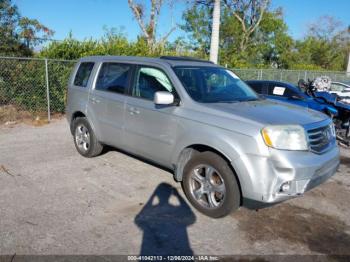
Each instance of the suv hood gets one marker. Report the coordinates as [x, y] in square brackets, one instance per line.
[269, 112]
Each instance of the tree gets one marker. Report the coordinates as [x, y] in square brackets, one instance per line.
[326, 45]
[149, 26]
[249, 13]
[19, 34]
[197, 23]
[30, 28]
[269, 43]
[9, 42]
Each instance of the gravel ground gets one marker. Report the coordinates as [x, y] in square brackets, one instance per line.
[53, 201]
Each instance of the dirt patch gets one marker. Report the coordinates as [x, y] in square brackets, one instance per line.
[335, 191]
[345, 160]
[11, 115]
[319, 232]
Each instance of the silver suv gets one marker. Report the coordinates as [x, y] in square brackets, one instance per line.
[228, 146]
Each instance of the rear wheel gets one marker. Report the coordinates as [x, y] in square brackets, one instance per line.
[210, 185]
[85, 140]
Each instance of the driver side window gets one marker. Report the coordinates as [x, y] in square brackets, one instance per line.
[149, 81]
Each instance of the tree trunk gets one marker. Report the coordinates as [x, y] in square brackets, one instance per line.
[214, 43]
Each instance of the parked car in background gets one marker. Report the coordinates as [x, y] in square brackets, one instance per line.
[226, 145]
[342, 90]
[290, 93]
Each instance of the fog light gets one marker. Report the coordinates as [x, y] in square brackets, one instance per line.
[285, 187]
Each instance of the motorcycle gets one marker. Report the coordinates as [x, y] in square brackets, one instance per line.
[341, 120]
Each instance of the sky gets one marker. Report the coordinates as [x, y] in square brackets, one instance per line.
[87, 18]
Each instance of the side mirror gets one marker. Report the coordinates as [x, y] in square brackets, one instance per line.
[163, 98]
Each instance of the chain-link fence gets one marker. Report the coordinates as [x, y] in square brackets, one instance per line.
[31, 87]
[291, 76]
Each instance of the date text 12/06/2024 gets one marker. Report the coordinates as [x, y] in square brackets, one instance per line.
[173, 258]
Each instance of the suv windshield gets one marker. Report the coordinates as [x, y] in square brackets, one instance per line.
[214, 85]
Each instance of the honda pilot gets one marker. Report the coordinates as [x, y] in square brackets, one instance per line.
[225, 144]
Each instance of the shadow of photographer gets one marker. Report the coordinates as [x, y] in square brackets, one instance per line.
[164, 223]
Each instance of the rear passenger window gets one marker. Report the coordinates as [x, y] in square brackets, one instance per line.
[277, 90]
[83, 74]
[113, 77]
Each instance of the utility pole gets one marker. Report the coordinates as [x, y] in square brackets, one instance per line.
[214, 43]
[348, 68]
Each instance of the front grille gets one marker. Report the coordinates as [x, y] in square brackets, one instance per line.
[320, 138]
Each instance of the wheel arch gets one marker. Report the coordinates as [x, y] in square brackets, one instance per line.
[75, 115]
[189, 151]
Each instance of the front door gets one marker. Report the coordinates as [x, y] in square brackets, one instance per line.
[150, 130]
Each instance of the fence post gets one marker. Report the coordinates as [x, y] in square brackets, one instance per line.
[47, 91]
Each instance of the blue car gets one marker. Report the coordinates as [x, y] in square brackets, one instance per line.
[292, 94]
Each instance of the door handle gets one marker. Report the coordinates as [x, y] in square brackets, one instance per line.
[133, 111]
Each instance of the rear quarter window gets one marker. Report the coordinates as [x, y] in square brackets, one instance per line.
[257, 87]
[83, 74]
[113, 77]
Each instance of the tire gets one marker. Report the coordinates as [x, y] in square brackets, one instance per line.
[210, 185]
[85, 140]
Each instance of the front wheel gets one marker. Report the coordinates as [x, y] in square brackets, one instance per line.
[210, 185]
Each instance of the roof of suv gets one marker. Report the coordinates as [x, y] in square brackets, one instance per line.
[169, 60]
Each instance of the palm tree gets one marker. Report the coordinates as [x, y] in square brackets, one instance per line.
[214, 43]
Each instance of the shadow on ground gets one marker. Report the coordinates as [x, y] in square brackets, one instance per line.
[164, 221]
[345, 160]
[319, 232]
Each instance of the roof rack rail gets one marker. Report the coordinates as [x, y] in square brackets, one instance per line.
[185, 58]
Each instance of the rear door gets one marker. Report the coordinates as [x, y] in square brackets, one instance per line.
[150, 129]
[78, 91]
[107, 101]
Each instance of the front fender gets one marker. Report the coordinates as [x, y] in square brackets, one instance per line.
[229, 144]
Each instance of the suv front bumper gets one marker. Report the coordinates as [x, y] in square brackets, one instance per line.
[261, 177]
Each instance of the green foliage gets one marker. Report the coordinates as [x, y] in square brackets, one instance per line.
[325, 47]
[23, 84]
[19, 34]
[197, 23]
[26, 90]
[114, 42]
[322, 53]
[270, 44]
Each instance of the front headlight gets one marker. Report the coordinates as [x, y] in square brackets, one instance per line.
[286, 137]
